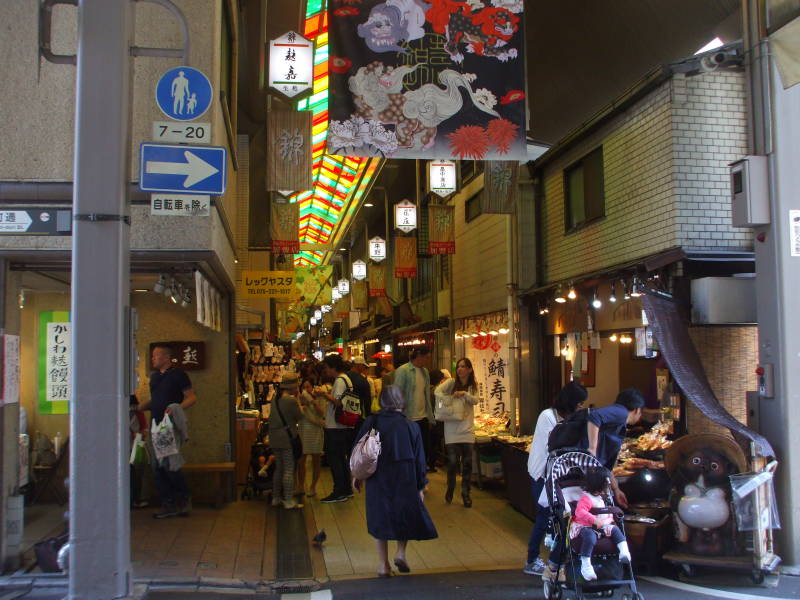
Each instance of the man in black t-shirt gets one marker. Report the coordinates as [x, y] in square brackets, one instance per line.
[168, 385]
[358, 376]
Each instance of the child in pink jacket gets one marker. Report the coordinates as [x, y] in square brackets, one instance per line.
[593, 519]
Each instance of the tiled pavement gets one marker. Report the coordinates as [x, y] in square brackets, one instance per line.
[239, 541]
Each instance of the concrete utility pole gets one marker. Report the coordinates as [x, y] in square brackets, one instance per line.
[775, 129]
[99, 566]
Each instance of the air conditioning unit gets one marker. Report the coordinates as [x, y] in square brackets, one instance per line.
[724, 300]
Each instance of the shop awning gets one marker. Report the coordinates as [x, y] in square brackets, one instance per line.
[671, 331]
[426, 327]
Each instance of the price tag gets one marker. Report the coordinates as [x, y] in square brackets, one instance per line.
[182, 133]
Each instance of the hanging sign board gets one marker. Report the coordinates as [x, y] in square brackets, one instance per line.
[180, 205]
[35, 221]
[442, 177]
[377, 249]
[291, 64]
[405, 257]
[359, 270]
[344, 287]
[405, 216]
[269, 284]
[441, 229]
[55, 362]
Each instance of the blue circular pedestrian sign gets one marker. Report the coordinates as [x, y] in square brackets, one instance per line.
[183, 93]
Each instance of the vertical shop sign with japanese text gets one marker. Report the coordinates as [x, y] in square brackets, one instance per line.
[289, 153]
[489, 359]
[501, 183]
[405, 257]
[291, 64]
[377, 281]
[9, 370]
[441, 229]
[284, 227]
[55, 362]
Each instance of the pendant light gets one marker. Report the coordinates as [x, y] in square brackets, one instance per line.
[560, 295]
[613, 297]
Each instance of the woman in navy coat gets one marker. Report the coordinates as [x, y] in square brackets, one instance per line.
[395, 493]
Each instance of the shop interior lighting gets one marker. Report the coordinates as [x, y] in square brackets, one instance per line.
[459, 336]
[160, 286]
[636, 288]
[474, 335]
[503, 330]
[625, 295]
[318, 314]
[177, 292]
[21, 299]
[613, 297]
[565, 350]
[572, 295]
[368, 205]
[493, 332]
[313, 321]
[596, 303]
[613, 337]
[625, 338]
[560, 295]
[387, 348]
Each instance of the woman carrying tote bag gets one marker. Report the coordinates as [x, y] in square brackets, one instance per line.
[455, 402]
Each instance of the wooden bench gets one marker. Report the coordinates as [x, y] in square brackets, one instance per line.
[217, 470]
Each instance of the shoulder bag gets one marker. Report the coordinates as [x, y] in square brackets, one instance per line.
[365, 454]
[297, 443]
[448, 407]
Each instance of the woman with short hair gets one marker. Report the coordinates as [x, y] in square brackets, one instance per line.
[395, 492]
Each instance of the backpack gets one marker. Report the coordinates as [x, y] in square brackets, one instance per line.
[349, 413]
[568, 433]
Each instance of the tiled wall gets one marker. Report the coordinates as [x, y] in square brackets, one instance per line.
[729, 356]
[666, 178]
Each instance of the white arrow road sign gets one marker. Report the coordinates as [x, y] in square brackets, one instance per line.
[195, 169]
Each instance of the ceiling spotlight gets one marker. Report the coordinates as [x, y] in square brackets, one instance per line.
[493, 332]
[161, 285]
[503, 330]
[572, 295]
[474, 335]
[560, 295]
[625, 295]
[596, 300]
[613, 337]
[565, 350]
[186, 299]
[21, 299]
[169, 290]
[369, 204]
[175, 293]
[613, 297]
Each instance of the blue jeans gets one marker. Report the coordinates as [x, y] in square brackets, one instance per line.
[540, 525]
[589, 537]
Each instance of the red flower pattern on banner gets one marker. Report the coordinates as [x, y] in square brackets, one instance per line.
[512, 96]
[496, 347]
[469, 142]
[339, 64]
[482, 342]
[346, 11]
[501, 132]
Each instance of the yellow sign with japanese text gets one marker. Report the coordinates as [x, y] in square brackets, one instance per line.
[269, 284]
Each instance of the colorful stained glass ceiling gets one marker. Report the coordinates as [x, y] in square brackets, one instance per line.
[339, 182]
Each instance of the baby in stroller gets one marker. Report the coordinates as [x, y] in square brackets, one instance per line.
[593, 520]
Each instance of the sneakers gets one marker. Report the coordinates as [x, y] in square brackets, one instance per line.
[333, 498]
[587, 570]
[534, 568]
[140, 504]
[292, 504]
[624, 552]
[276, 501]
[166, 512]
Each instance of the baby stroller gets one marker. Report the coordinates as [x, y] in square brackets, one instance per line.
[259, 479]
[564, 474]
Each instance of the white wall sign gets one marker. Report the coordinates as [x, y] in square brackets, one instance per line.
[344, 287]
[183, 133]
[359, 270]
[442, 177]
[182, 205]
[377, 249]
[794, 231]
[291, 64]
[405, 216]
[59, 362]
[10, 370]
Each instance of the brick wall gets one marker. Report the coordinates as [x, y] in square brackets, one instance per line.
[729, 356]
[479, 264]
[666, 178]
[640, 209]
[709, 125]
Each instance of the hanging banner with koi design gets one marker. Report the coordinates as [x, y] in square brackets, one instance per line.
[427, 79]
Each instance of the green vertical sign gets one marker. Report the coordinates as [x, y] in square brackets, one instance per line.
[55, 362]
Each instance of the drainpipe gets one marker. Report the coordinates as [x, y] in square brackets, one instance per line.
[513, 322]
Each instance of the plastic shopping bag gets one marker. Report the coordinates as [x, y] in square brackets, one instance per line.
[138, 453]
[164, 442]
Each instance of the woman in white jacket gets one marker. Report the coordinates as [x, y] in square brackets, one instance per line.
[455, 402]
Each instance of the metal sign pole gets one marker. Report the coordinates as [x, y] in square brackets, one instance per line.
[99, 560]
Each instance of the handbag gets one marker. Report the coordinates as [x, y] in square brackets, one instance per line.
[365, 454]
[138, 453]
[448, 407]
[349, 413]
[297, 443]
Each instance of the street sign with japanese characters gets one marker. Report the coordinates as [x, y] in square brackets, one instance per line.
[442, 177]
[289, 161]
[180, 205]
[359, 270]
[35, 221]
[189, 356]
[55, 362]
[269, 284]
[377, 249]
[405, 216]
[291, 64]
